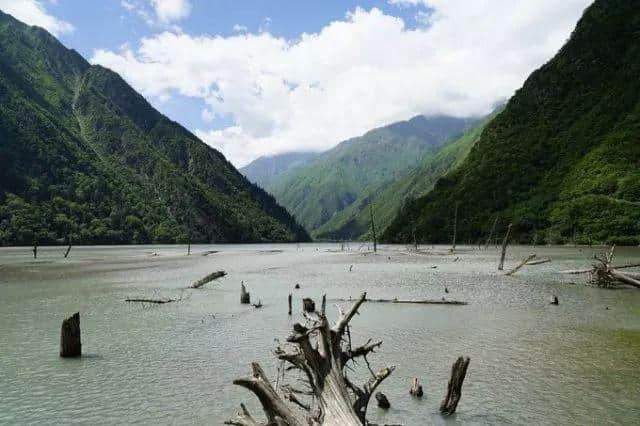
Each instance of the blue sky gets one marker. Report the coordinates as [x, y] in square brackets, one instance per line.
[260, 77]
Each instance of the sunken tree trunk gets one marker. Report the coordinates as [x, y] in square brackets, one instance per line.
[70, 345]
[454, 389]
[333, 398]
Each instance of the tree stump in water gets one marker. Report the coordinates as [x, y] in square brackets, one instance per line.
[70, 345]
[308, 305]
[245, 296]
[416, 389]
[454, 389]
[289, 300]
[554, 300]
[383, 401]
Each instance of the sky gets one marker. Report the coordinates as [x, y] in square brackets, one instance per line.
[262, 77]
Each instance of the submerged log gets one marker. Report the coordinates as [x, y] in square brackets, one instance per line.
[335, 398]
[521, 264]
[155, 301]
[416, 389]
[538, 261]
[505, 242]
[454, 388]
[409, 301]
[212, 276]
[245, 296]
[70, 344]
[308, 305]
[383, 401]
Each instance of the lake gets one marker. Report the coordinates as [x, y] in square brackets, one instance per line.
[531, 362]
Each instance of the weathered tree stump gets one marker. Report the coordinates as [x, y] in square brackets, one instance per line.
[454, 389]
[245, 296]
[416, 389]
[383, 401]
[70, 345]
[289, 299]
[308, 305]
[297, 286]
[334, 399]
[35, 250]
[554, 300]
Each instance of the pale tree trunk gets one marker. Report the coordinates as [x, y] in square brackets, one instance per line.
[505, 242]
[339, 402]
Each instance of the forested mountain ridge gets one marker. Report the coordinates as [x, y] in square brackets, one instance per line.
[354, 222]
[263, 170]
[86, 158]
[562, 161]
[335, 179]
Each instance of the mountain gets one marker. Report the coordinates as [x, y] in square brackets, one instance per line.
[263, 170]
[326, 186]
[562, 161]
[83, 156]
[354, 222]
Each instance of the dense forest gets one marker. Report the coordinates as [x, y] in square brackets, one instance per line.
[85, 159]
[562, 161]
[386, 199]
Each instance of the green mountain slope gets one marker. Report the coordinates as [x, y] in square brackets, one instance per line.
[354, 221]
[263, 170]
[563, 158]
[83, 156]
[332, 182]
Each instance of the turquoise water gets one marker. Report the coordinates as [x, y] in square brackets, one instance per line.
[531, 363]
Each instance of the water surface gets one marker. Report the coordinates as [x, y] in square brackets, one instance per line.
[531, 363]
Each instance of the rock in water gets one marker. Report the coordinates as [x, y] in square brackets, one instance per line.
[70, 345]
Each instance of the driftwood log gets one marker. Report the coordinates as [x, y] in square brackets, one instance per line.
[212, 276]
[409, 301]
[245, 296]
[525, 261]
[334, 399]
[70, 344]
[454, 388]
[604, 274]
[155, 301]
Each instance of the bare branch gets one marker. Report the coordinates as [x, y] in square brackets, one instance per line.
[344, 320]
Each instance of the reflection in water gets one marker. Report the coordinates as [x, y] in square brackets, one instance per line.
[531, 363]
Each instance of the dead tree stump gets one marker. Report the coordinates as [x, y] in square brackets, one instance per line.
[308, 305]
[245, 296]
[289, 300]
[554, 300]
[70, 345]
[321, 353]
[454, 389]
[416, 389]
[383, 401]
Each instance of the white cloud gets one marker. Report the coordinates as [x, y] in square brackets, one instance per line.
[128, 5]
[33, 12]
[171, 10]
[355, 74]
[240, 28]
